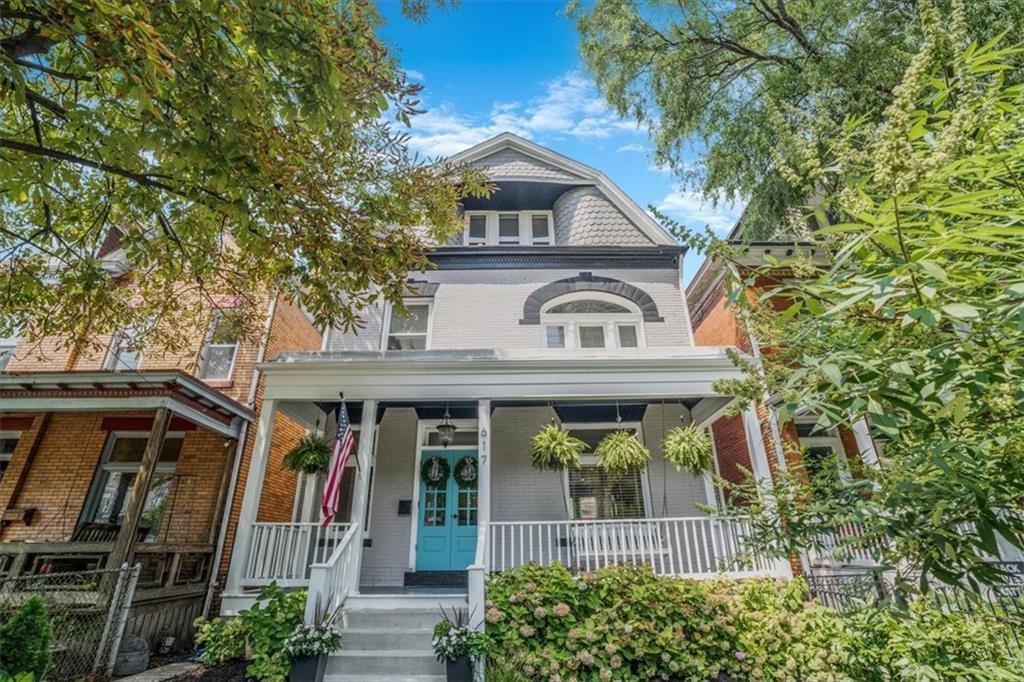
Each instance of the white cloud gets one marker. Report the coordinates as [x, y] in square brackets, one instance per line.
[631, 148]
[692, 209]
[414, 75]
[569, 106]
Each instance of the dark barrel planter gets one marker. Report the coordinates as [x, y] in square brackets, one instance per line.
[308, 669]
[459, 670]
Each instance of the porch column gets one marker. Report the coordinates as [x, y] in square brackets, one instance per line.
[483, 514]
[361, 490]
[125, 542]
[866, 445]
[251, 496]
[758, 455]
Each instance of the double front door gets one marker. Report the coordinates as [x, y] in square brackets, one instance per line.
[446, 532]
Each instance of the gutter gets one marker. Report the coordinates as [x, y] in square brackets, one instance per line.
[236, 467]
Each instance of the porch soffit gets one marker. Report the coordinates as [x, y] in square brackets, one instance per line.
[683, 372]
[183, 394]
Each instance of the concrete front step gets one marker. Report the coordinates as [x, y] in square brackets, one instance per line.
[385, 678]
[370, 639]
[390, 619]
[393, 662]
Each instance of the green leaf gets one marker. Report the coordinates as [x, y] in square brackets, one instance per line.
[961, 310]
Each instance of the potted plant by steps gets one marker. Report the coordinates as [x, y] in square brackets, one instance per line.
[457, 644]
[308, 648]
[312, 455]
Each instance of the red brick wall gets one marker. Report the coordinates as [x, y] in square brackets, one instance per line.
[58, 480]
[289, 330]
[731, 448]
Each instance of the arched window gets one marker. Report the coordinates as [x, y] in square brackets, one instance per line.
[592, 319]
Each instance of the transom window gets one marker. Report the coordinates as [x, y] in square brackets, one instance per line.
[411, 330]
[592, 320]
[8, 442]
[509, 228]
[219, 353]
[594, 493]
[117, 476]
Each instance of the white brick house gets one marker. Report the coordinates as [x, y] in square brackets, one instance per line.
[561, 300]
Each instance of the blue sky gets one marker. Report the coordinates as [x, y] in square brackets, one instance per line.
[491, 66]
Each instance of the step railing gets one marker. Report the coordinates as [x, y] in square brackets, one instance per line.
[331, 582]
[695, 547]
[284, 552]
[476, 575]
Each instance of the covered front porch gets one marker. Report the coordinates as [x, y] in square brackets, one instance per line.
[405, 526]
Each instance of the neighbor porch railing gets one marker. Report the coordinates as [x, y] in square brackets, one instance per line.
[284, 552]
[847, 546]
[693, 547]
[331, 582]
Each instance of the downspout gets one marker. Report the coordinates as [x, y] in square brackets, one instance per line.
[243, 433]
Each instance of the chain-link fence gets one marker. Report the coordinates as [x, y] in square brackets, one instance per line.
[87, 610]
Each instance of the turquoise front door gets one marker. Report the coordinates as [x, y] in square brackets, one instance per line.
[446, 534]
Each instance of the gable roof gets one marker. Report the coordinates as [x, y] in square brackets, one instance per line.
[585, 174]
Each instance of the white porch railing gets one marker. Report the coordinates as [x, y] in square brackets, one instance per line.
[332, 581]
[691, 546]
[284, 552]
[842, 548]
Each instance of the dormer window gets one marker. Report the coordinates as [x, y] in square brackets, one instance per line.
[592, 320]
[508, 228]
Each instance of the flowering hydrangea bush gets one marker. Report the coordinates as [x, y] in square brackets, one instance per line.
[624, 623]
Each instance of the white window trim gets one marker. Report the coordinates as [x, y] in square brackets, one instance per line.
[422, 426]
[525, 227]
[11, 435]
[93, 499]
[389, 311]
[590, 459]
[204, 356]
[7, 344]
[829, 438]
[610, 321]
[111, 364]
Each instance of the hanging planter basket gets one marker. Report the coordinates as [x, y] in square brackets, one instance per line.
[312, 455]
[555, 448]
[435, 471]
[622, 451]
[688, 448]
[467, 472]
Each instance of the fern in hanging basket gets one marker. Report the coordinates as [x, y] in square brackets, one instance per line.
[555, 448]
[689, 448]
[622, 451]
[312, 455]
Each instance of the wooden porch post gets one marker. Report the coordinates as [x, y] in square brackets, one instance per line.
[125, 543]
[251, 496]
[483, 514]
[361, 490]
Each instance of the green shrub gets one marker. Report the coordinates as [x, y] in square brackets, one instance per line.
[625, 623]
[311, 455]
[622, 451]
[25, 640]
[555, 448]
[259, 632]
[686, 447]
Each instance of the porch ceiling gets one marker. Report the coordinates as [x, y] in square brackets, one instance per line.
[685, 373]
[182, 394]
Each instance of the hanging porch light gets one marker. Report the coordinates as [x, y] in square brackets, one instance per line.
[446, 429]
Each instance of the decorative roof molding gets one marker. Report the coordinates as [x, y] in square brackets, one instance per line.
[556, 257]
[648, 225]
[421, 289]
[586, 281]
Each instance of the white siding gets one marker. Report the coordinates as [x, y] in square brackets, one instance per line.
[482, 309]
[368, 338]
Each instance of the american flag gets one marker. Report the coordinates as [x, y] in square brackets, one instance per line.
[343, 444]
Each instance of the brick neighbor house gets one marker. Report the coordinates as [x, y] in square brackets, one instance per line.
[132, 456]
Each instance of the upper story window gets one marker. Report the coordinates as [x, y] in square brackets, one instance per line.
[508, 228]
[409, 331]
[592, 320]
[823, 453]
[218, 360]
[7, 347]
[8, 443]
[124, 352]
